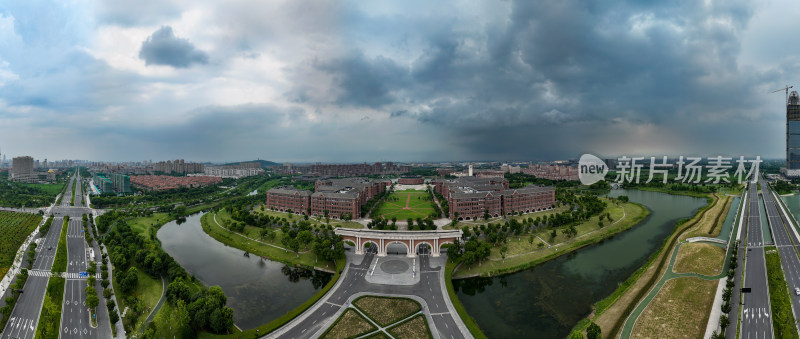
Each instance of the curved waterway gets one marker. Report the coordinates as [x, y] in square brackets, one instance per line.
[258, 290]
[546, 301]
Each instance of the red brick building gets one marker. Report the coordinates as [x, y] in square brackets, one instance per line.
[472, 197]
[289, 199]
[336, 197]
[411, 180]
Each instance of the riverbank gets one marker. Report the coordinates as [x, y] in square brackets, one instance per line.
[611, 312]
[266, 249]
[530, 250]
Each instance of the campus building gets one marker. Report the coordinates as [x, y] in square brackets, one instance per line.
[289, 199]
[411, 180]
[471, 198]
[335, 197]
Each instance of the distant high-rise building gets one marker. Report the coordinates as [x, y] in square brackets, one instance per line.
[22, 169]
[793, 135]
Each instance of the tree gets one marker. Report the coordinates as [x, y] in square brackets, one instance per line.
[129, 281]
[593, 331]
[92, 301]
[530, 239]
[221, 319]
[503, 251]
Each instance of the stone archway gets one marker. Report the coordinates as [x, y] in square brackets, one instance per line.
[397, 247]
[423, 248]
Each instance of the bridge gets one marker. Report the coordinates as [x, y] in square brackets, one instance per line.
[410, 239]
[707, 239]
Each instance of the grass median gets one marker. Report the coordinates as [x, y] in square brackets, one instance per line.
[782, 318]
[50, 318]
[60, 262]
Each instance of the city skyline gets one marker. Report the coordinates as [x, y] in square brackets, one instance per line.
[354, 82]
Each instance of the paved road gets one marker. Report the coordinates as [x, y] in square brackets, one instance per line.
[354, 281]
[25, 316]
[786, 242]
[75, 315]
[756, 312]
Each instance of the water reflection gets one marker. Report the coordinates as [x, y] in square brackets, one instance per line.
[258, 290]
[546, 301]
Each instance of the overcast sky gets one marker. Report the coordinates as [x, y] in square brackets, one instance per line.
[408, 80]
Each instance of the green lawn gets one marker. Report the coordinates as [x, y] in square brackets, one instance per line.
[144, 225]
[148, 289]
[239, 241]
[522, 254]
[405, 204]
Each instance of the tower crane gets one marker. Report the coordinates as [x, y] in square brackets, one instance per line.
[784, 89]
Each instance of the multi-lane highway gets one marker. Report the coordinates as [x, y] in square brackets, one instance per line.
[25, 316]
[75, 319]
[755, 311]
[786, 241]
[75, 314]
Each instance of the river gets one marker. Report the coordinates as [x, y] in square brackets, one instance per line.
[546, 301]
[258, 290]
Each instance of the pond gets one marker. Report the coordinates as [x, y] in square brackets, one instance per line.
[546, 301]
[258, 290]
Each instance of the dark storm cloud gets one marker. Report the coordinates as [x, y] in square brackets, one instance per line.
[164, 48]
[365, 82]
[554, 66]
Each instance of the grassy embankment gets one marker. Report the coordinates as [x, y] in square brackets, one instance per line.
[305, 257]
[779, 298]
[611, 312]
[148, 290]
[700, 258]
[680, 310]
[523, 254]
[50, 317]
[675, 310]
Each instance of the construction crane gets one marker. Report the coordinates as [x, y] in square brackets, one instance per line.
[784, 89]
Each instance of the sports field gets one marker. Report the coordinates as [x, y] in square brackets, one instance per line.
[406, 204]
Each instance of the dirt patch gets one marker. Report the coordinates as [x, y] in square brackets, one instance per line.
[415, 328]
[705, 259]
[679, 310]
[385, 311]
[349, 324]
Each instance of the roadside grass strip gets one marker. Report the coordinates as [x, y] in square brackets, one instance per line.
[782, 318]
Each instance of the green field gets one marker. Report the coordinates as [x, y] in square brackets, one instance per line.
[405, 204]
[14, 228]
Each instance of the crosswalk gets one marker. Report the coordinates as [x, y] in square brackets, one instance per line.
[48, 274]
[756, 314]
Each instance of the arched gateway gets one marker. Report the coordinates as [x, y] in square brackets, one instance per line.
[411, 239]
